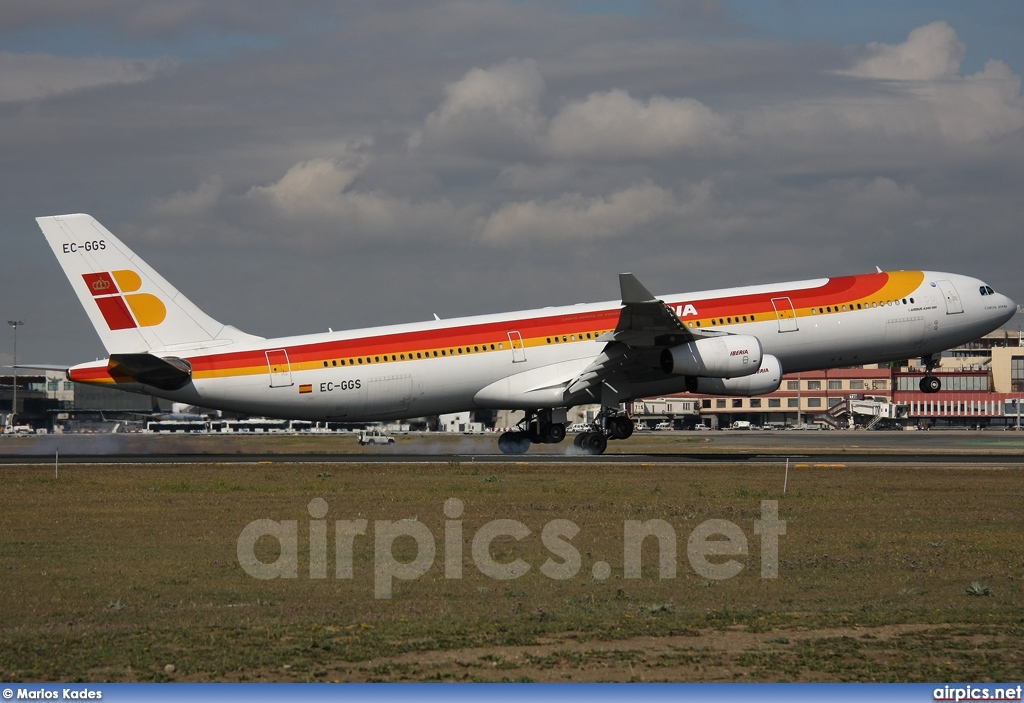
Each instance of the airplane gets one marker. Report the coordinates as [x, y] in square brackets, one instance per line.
[734, 341]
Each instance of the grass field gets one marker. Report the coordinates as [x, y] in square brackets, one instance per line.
[131, 572]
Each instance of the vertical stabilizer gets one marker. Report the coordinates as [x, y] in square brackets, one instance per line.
[133, 308]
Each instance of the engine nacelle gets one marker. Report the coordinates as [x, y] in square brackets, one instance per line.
[767, 380]
[716, 357]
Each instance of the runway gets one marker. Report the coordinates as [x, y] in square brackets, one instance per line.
[947, 448]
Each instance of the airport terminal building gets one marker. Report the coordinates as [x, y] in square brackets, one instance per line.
[982, 387]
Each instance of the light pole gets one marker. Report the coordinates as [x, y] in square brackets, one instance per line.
[15, 324]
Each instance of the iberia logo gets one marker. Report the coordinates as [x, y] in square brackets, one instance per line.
[122, 307]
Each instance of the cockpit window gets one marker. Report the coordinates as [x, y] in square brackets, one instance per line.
[987, 290]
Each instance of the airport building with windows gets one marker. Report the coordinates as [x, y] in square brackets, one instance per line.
[982, 387]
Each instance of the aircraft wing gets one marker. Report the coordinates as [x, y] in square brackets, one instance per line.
[646, 326]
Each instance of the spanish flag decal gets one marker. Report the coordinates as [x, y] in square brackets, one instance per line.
[306, 388]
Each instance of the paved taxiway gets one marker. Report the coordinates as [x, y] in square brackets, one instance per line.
[988, 448]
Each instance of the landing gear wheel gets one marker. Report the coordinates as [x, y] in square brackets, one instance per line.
[552, 433]
[595, 443]
[931, 384]
[620, 428]
[514, 442]
[580, 440]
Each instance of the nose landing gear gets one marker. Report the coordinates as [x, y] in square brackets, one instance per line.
[930, 383]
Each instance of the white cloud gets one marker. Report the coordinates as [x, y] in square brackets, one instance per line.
[616, 125]
[189, 203]
[319, 194]
[35, 76]
[925, 99]
[316, 185]
[497, 112]
[980, 106]
[930, 52]
[576, 217]
[488, 109]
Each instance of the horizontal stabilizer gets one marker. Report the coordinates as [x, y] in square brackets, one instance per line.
[40, 367]
[166, 373]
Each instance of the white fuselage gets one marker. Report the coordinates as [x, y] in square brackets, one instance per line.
[526, 359]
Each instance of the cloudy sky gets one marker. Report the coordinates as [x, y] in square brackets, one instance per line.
[293, 166]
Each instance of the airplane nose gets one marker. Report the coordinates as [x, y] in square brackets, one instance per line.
[1011, 309]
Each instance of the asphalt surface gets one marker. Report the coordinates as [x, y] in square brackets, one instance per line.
[975, 448]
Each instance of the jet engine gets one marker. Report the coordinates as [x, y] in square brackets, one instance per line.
[729, 356]
[767, 379]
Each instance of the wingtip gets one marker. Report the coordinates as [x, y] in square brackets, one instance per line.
[633, 291]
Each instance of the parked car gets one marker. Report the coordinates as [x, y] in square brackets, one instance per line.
[374, 437]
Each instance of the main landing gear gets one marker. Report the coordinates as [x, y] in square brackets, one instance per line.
[539, 428]
[930, 383]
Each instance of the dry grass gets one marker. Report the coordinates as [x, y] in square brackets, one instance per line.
[113, 572]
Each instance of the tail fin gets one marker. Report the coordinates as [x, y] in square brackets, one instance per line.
[133, 308]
